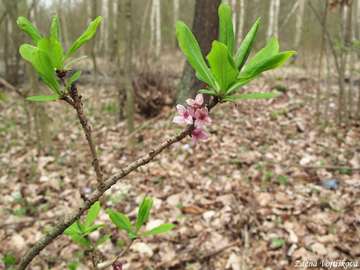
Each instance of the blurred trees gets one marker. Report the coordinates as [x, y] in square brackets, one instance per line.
[153, 35]
[205, 28]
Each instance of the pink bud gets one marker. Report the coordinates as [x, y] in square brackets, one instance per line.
[117, 265]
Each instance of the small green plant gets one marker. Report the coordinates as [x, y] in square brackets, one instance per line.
[49, 59]
[228, 68]
[9, 261]
[133, 230]
[79, 231]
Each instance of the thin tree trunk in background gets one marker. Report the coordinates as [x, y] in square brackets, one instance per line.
[120, 61]
[64, 29]
[176, 9]
[273, 27]
[322, 49]
[241, 21]
[94, 12]
[348, 45]
[276, 18]
[205, 28]
[235, 15]
[111, 33]
[128, 69]
[299, 23]
[157, 7]
[346, 37]
[152, 26]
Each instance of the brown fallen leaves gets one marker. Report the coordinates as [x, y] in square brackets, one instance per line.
[247, 185]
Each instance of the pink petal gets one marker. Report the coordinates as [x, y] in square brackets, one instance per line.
[198, 134]
[181, 109]
[199, 99]
[190, 102]
[189, 120]
[179, 120]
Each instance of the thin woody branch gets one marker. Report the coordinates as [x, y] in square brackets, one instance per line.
[60, 228]
[76, 103]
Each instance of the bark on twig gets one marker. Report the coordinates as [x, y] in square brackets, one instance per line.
[60, 228]
[76, 103]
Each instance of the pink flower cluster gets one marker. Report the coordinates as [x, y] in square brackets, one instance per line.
[194, 114]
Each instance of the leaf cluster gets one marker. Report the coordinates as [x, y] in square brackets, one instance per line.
[79, 231]
[47, 55]
[133, 229]
[228, 69]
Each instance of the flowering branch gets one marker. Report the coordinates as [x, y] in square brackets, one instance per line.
[60, 228]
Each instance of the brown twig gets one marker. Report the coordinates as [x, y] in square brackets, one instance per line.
[196, 257]
[106, 264]
[77, 104]
[60, 228]
[11, 87]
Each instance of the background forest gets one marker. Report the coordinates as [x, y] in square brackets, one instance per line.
[277, 183]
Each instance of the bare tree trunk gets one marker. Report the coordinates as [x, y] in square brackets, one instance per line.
[128, 69]
[110, 37]
[241, 21]
[346, 13]
[94, 12]
[273, 27]
[322, 49]
[299, 23]
[176, 11]
[120, 61]
[205, 28]
[157, 7]
[152, 25]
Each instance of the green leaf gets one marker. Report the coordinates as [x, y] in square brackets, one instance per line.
[246, 45]
[55, 29]
[9, 260]
[43, 98]
[26, 26]
[191, 49]
[92, 214]
[222, 66]
[238, 84]
[80, 240]
[271, 48]
[120, 220]
[72, 229]
[54, 51]
[226, 30]
[42, 64]
[252, 96]
[144, 212]
[74, 78]
[277, 243]
[73, 61]
[85, 37]
[102, 240]
[209, 92]
[272, 62]
[158, 230]
[91, 228]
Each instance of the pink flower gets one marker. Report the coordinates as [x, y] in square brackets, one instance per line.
[184, 117]
[198, 134]
[202, 117]
[197, 102]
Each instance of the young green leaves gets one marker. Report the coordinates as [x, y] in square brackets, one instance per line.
[133, 230]
[47, 55]
[85, 37]
[228, 71]
[79, 231]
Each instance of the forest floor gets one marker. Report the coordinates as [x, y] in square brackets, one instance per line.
[270, 189]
